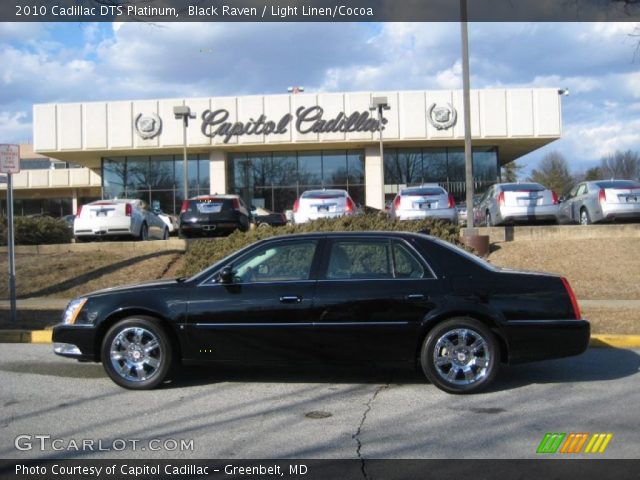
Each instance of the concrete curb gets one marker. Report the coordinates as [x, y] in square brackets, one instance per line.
[44, 336]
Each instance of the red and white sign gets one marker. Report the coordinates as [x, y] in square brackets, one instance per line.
[9, 158]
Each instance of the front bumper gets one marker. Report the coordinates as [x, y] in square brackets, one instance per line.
[532, 340]
[75, 341]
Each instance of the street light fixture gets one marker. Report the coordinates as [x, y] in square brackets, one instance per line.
[380, 104]
[295, 90]
[184, 112]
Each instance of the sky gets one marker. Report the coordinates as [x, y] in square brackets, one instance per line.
[71, 62]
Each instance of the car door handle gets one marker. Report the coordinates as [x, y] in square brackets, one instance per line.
[415, 297]
[290, 299]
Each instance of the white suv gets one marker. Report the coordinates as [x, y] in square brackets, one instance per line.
[315, 204]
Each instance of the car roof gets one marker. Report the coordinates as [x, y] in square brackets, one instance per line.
[350, 234]
[215, 195]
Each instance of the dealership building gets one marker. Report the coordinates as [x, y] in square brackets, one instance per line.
[271, 148]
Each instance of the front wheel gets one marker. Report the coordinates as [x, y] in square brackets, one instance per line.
[460, 355]
[488, 220]
[136, 353]
[144, 233]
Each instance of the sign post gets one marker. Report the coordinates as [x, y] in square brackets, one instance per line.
[10, 164]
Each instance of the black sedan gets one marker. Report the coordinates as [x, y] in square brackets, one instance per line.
[332, 298]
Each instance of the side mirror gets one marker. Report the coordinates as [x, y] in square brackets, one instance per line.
[226, 275]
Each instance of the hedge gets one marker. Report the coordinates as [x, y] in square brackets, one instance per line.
[37, 231]
[202, 253]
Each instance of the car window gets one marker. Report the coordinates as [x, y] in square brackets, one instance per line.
[406, 264]
[276, 263]
[522, 187]
[360, 260]
[582, 189]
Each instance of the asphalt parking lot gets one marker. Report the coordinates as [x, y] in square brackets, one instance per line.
[312, 413]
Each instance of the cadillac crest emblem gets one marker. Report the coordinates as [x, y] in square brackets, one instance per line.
[148, 126]
[442, 117]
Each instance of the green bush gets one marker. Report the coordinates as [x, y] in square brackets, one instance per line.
[202, 253]
[37, 231]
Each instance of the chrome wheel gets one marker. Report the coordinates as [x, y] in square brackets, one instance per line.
[136, 354]
[584, 217]
[488, 220]
[461, 357]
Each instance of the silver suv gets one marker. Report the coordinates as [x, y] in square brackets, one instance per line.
[516, 202]
[425, 201]
[602, 200]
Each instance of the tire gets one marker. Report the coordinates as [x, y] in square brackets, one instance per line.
[456, 367]
[243, 224]
[144, 233]
[136, 353]
[488, 220]
[585, 218]
[165, 234]
[263, 225]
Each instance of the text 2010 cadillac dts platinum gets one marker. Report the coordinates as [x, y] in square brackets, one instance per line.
[374, 297]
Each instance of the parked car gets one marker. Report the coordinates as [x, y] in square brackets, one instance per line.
[171, 221]
[212, 215]
[69, 219]
[315, 204]
[266, 218]
[118, 218]
[601, 201]
[331, 298]
[516, 202]
[425, 201]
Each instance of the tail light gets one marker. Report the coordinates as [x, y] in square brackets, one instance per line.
[554, 197]
[572, 297]
[296, 205]
[79, 211]
[452, 202]
[602, 196]
[236, 204]
[501, 199]
[185, 206]
[396, 203]
[350, 207]
[127, 209]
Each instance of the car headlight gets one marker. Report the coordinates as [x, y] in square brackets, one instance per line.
[72, 311]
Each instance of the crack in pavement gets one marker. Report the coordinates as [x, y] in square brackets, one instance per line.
[356, 436]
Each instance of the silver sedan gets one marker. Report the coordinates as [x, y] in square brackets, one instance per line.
[425, 201]
[601, 201]
[517, 202]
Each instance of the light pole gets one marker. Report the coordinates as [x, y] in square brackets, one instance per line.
[183, 112]
[379, 104]
[468, 156]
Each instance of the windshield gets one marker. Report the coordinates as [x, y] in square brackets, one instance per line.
[618, 184]
[522, 187]
[423, 191]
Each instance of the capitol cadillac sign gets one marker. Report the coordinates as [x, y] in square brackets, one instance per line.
[215, 123]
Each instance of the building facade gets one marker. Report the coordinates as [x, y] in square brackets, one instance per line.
[271, 148]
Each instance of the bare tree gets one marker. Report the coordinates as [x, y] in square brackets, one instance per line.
[553, 173]
[511, 171]
[623, 165]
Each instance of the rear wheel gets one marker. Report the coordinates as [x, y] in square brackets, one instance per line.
[488, 220]
[144, 233]
[585, 218]
[136, 353]
[460, 355]
[243, 224]
[165, 234]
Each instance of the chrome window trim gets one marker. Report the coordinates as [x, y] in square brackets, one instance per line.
[293, 324]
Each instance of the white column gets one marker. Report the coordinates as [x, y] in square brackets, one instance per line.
[217, 172]
[374, 177]
[74, 201]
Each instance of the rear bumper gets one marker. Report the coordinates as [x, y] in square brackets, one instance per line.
[448, 214]
[304, 217]
[532, 340]
[528, 213]
[622, 211]
[82, 337]
[84, 228]
[209, 228]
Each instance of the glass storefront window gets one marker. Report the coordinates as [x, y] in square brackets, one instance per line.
[310, 169]
[355, 167]
[113, 176]
[334, 168]
[285, 169]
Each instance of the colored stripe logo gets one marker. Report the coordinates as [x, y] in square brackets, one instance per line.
[574, 442]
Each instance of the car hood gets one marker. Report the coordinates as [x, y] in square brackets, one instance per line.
[152, 284]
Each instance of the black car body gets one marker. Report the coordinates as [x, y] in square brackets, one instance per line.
[213, 215]
[265, 218]
[372, 297]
